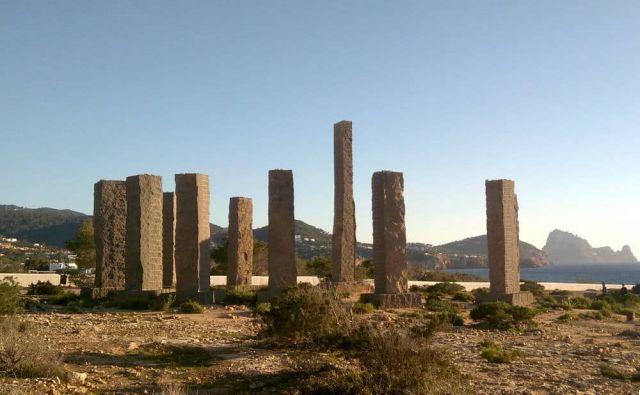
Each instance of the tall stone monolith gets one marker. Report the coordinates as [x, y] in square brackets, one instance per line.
[343, 250]
[389, 242]
[282, 258]
[193, 237]
[110, 226]
[144, 233]
[503, 243]
[240, 237]
[168, 240]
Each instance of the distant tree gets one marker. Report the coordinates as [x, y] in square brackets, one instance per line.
[84, 245]
[8, 265]
[260, 258]
[37, 262]
[220, 259]
[364, 270]
[320, 266]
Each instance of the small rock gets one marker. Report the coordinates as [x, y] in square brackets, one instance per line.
[79, 377]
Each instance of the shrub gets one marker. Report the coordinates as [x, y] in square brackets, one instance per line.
[567, 317]
[393, 362]
[480, 293]
[63, 298]
[435, 303]
[615, 373]
[163, 302]
[420, 274]
[363, 308]
[44, 288]
[632, 333]
[501, 315]
[239, 296]
[191, 307]
[531, 286]
[303, 313]
[580, 303]
[494, 353]
[10, 301]
[263, 308]
[463, 297]
[595, 315]
[23, 354]
[600, 305]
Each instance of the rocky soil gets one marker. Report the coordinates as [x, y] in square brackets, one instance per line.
[216, 352]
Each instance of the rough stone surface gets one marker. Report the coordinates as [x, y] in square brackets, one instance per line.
[168, 240]
[282, 260]
[502, 237]
[389, 233]
[343, 251]
[240, 236]
[144, 233]
[110, 226]
[192, 234]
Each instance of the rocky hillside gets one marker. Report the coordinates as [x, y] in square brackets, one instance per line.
[567, 248]
[40, 225]
[472, 252]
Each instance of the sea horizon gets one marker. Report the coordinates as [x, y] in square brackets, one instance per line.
[610, 273]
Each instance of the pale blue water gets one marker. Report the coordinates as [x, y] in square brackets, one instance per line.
[618, 273]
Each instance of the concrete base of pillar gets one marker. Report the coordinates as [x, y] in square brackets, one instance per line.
[204, 297]
[96, 293]
[523, 298]
[402, 300]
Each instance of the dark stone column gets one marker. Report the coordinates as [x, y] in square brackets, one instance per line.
[240, 237]
[282, 260]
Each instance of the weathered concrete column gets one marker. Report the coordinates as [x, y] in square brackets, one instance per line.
[110, 226]
[343, 250]
[193, 237]
[168, 240]
[240, 237]
[390, 242]
[144, 233]
[282, 258]
[503, 243]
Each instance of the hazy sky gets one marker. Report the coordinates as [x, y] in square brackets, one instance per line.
[450, 93]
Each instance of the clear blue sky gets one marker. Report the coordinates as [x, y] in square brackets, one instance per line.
[450, 93]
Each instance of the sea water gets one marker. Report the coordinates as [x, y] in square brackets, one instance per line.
[610, 273]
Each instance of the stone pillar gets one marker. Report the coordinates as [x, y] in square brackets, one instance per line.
[110, 226]
[168, 240]
[343, 250]
[144, 233]
[282, 258]
[390, 242]
[193, 237]
[240, 237]
[503, 244]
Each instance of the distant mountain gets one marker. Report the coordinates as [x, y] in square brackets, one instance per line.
[474, 251]
[40, 225]
[566, 248]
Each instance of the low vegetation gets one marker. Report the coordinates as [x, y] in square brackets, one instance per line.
[380, 358]
[503, 316]
[44, 288]
[10, 300]
[618, 374]
[24, 354]
[238, 296]
[191, 307]
[494, 353]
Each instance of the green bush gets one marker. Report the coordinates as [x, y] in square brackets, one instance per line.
[10, 300]
[392, 362]
[363, 308]
[435, 303]
[501, 315]
[494, 353]
[24, 354]
[63, 298]
[463, 297]
[44, 288]
[191, 307]
[263, 308]
[303, 313]
[531, 286]
[580, 303]
[239, 296]
[615, 373]
[567, 317]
